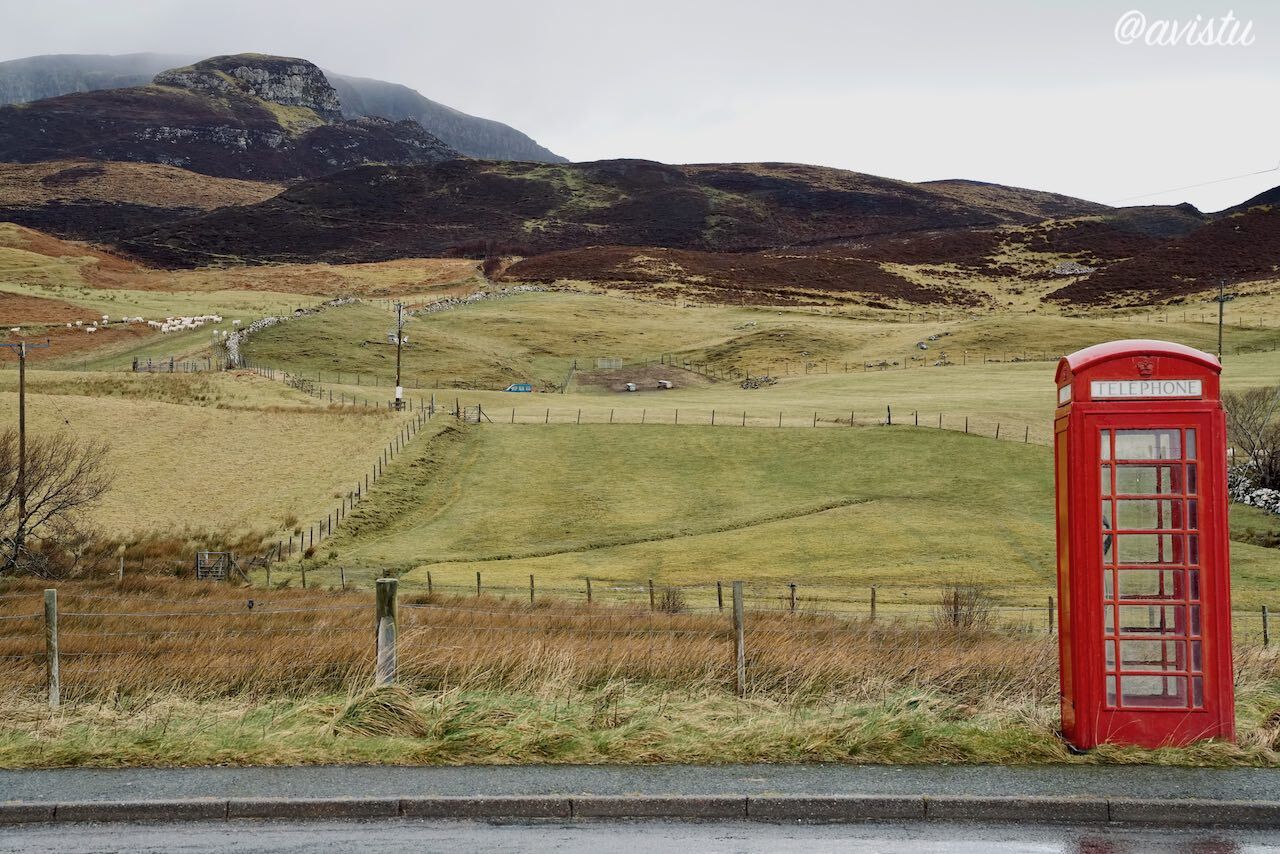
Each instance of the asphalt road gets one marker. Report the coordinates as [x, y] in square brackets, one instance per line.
[387, 837]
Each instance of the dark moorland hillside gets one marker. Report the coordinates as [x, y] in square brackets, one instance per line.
[1241, 247]
[483, 207]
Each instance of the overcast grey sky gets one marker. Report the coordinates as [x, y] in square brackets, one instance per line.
[1037, 94]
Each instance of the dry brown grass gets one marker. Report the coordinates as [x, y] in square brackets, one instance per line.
[149, 184]
[205, 639]
[180, 673]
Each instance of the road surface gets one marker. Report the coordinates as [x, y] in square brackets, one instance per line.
[387, 837]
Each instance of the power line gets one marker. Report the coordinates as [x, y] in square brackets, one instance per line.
[1275, 168]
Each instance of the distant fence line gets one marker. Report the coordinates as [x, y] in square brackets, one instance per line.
[736, 371]
[173, 365]
[417, 415]
[985, 426]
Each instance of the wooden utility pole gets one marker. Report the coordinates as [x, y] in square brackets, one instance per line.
[399, 344]
[20, 484]
[1222, 299]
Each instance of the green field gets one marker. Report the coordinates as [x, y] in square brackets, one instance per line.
[833, 501]
[834, 511]
[538, 336]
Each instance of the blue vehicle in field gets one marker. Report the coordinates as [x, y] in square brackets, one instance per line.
[519, 387]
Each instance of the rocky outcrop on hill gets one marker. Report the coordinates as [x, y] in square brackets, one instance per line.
[280, 80]
[248, 116]
[34, 78]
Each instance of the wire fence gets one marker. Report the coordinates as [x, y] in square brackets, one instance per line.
[84, 642]
[988, 426]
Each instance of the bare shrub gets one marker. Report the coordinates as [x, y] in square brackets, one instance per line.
[1253, 427]
[63, 476]
[672, 601]
[964, 606]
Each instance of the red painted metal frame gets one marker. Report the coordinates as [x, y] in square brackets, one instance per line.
[1088, 719]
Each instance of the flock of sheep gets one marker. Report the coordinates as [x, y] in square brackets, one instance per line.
[169, 324]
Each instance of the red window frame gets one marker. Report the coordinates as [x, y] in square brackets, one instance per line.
[1177, 564]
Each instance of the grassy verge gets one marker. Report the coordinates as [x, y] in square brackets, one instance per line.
[622, 722]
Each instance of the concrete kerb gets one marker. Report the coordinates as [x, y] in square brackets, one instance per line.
[1195, 812]
[835, 808]
[1034, 809]
[200, 809]
[772, 808]
[313, 808]
[487, 807]
[648, 806]
[19, 813]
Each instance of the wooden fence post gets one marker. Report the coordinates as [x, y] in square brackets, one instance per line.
[653, 605]
[739, 641]
[51, 647]
[385, 669]
[1266, 626]
[1026, 436]
[588, 591]
[792, 585]
[888, 415]
[531, 588]
[268, 576]
[873, 602]
[477, 582]
[1050, 615]
[342, 577]
[719, 596]
[303, 566]
[429, 585]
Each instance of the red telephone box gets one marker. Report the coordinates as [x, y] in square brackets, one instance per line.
[1144, 597]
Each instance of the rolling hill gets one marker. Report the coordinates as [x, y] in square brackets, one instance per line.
[104, 200]
[34, 78]
[246, 116]
[1238, 248]
[484, 207]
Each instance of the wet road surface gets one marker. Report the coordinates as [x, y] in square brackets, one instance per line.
[634, 837]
